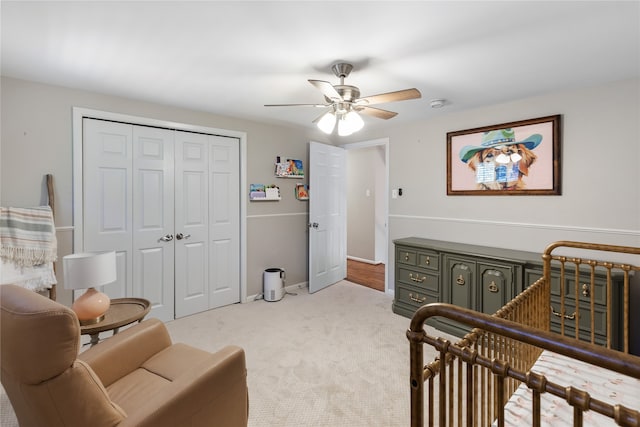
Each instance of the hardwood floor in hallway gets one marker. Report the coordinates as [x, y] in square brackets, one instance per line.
[369, 275]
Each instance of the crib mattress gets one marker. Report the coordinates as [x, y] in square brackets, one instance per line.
[600, 383]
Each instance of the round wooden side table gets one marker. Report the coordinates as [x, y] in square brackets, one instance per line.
[122, 312]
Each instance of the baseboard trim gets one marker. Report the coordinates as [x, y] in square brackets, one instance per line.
[366, 261]
[291, 289]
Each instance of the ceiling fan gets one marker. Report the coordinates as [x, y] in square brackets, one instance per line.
[344, 103]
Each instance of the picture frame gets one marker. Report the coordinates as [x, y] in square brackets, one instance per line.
[302, 192]
[515, 158]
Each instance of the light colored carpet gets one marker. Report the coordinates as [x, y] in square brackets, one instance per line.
[338, 357]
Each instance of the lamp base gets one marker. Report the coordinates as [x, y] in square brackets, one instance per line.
[88, 322]
[91, 307]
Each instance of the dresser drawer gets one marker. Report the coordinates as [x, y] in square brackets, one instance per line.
[415, 298]
[427, 259]
[419, 278]
[406, 256]
[583, 318]
[586, 290]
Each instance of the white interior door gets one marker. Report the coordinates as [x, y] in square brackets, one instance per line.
[153, 248]
[224, 221]
[191, 223]
[327, 216]
[121, 160]
[108, 208]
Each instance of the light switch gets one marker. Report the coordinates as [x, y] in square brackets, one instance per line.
[394, 194]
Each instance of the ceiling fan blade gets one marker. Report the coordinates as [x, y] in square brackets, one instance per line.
[317, 119]
[401, 95]
[297, 105]
[376, 112]
[327, 89]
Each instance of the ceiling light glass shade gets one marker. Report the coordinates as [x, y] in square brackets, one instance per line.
[350, 123]
[327, 122]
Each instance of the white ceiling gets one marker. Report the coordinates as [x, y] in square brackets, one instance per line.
[232, 57]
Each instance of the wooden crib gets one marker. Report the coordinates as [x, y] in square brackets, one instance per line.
[514, 368]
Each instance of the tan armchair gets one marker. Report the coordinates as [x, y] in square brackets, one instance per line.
[135, 378]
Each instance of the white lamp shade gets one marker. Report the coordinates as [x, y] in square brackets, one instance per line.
[350, 123]
[327, 122]
[89, 269]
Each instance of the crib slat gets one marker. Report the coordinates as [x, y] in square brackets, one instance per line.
[536, 408]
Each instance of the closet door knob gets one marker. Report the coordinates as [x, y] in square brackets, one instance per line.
[167, 238]
[181, 236]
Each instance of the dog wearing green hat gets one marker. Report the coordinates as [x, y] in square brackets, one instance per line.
[500, 161]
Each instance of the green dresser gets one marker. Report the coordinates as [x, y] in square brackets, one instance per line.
[484, 279]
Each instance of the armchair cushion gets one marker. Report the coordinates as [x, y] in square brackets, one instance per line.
[135, 378]
[131, 348]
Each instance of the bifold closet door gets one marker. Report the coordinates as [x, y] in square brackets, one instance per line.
[128, 207]
[224, 221]
[207, 222]
[153, 219]
[168, 202]
[192, 223]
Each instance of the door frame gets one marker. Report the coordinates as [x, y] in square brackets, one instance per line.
[373, 143]
[79, 113]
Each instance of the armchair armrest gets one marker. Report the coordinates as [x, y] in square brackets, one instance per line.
[126, 351]
[212, 392]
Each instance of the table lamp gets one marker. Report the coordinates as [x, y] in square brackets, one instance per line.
[89, 270]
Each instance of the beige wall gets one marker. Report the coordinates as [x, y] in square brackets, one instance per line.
[600, 198]
[361, 196]
[37, 140]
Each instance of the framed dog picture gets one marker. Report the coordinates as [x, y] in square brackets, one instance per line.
[518, 158]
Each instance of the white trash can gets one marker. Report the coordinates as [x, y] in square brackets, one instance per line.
[273, 284]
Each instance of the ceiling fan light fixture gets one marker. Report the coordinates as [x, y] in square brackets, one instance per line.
[349, 123]
[327, 122]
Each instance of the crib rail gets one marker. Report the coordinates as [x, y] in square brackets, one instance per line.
[460, 370]
[528, 308]
[471, 380]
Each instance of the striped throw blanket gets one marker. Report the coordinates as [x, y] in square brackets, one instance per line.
[27, 235]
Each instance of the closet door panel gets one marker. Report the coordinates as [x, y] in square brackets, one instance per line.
[107, 180]
[153, 219]
[224, 224]
[191, 223]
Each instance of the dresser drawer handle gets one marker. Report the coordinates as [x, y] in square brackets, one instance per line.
[586, 291]
[427, 261]
[417, 278]
[460, 280]
[568, 317]
[406, 256]
[417, 298]
[493, 287]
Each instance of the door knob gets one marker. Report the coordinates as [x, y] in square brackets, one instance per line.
[167, 238]
[181, 236]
